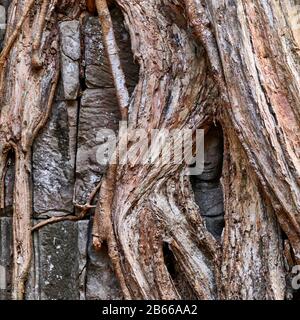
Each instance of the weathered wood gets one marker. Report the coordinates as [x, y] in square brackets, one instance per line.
[233, 62]
[25, 107]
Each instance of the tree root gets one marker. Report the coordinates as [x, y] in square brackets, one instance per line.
[11, 40]
[112, 50]
[36, 61]
[103, 227]
[83, 213]
[3, 170]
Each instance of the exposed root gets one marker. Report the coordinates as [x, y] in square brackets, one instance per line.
[200, 24]
[45, 116]
[11, 40]
[53, 220]
[3, 169]
[113, 56]
[103, 227]
[91, 6]
[22, 240]
[83, 213]
[36, 60]
[103, 210]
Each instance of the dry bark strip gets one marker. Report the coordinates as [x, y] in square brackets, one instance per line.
[256, 45]
[25, 108]
[264, 113]
[168, 73]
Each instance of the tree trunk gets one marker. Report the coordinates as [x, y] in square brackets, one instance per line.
[230, 68]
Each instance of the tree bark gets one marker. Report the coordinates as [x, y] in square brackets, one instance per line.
[232, 63]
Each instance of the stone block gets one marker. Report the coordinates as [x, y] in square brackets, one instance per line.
[53, 162]
[58, 261]
[70, 77]
[70, 39]
[99, 110]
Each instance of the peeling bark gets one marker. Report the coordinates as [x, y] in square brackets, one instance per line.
[25, 107]
[235, 63]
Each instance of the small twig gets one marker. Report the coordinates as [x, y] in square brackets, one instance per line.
[53, 220]
[84, 210]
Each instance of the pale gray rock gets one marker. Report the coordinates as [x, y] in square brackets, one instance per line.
[70, 39]
[72, 110]
[70, 77]
[53, 162]
[70, 55]
[2, 15]
[94, 48]
[99, 110]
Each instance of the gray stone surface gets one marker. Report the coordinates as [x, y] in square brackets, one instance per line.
[94, 49]
[5, 257]
[215, 225]
[99, 110]
[98, 73]
[70, 55]
[70, 39]
[58, 261]
[70, 77]
[209, 197]
[2, 15]
[72, 110]
[2, 24]
[83, 229]
[53, 162]
[101, 284]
